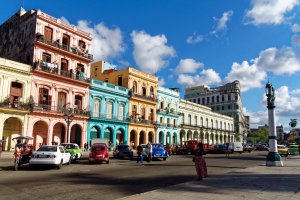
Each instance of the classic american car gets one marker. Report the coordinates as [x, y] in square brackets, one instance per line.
[283, 150]
[122, 151]
[158, 151]
[99, 153]
[73, 149]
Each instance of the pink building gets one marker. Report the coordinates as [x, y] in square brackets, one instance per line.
[60, 56]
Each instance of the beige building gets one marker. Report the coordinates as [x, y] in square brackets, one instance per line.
[143, 101]
[15, 84]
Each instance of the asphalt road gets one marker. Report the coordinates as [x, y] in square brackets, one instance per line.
[118, 179]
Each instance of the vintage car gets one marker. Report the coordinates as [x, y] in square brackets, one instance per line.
[248, 148]
[122, 151]
[219, 148]
[73, 149]
[169, 149]
[293, 149]
[99, 153]
[283, 150]
[159, 152]
[50, 155]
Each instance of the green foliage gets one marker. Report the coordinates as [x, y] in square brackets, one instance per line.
[297, 140]
[262, 134]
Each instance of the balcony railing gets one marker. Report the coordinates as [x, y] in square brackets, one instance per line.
[142, 121]
[53, 69]
[149, 98]
[56, 109]
[15, 106]
[109, 117]
[167, 111]
[74, 50]
[166, 125]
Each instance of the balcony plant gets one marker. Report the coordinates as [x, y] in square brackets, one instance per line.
[5, 102]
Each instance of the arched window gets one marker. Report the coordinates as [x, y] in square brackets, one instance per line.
[109, 110]
[196, 120]
[151, 91]
[190, 119]
[134, 87]
[62, 100]
[96, 108]
[143, 113]
[144, 90]
[121, 111]
[217, 124]
[212, 123]
[201, 121]
[78, 102]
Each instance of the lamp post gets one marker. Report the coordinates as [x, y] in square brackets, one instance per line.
[273, 158]
[68, 115]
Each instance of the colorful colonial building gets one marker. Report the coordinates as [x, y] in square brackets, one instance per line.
[109, 112]
[15, 84]
[167, 124]
[143, 101]
[59, 54]
[200, 123]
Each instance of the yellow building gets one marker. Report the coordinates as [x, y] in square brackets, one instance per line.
[15, 84]
[143, 102]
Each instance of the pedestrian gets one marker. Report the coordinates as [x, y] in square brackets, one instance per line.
[227, 150]
[149, 152]
[85, 147]
[200, 163]
[139, 154]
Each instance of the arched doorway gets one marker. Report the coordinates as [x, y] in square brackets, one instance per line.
[40, 134]
[189, 135]
[59, 131]
[202, 137]
[175, 138]
[221, 139]
[11, 129]
[76, 133]
[150, 137]
[217, 139]
[182, 136]
[132, 138]
[212, 137]
[108, 134]
[95, 132]
[168, 138]
[120, 136]
[161, 137]
[207, 138]
[196, 135]
[142, 138]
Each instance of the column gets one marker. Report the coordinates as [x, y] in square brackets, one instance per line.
[114, 137]
[125, 138]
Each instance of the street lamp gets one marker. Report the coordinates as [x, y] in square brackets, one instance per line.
[273, 158]
[68, 115]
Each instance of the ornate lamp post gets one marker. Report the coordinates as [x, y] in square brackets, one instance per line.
[273, 158]
[68, 115]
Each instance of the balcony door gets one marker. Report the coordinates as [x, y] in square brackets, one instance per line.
[121, 112]
[64, 66]
[62, 100]
[66, 41]
[78, 102]
[44, 97]
[48, 33]
[16, 91]
[109, 110]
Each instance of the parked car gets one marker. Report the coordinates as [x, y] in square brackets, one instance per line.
[248, 147]
[168, 149]
[122, 151]
[261, 147]
[99, 153]
[293, 149]
[50, 155]
[159, 152]
[73, 149]
[283, 150]
[235, 147]
[219, 148]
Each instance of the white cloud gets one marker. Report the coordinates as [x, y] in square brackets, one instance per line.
[296, 40]
[188, 65]
[278, 61]
[295, 92]
[248, 75]
[256, 118]
[63, 19]
[107, 43]
[270, 11]
[194, 39]
[206, 77]
[161, 81]
[151, 52]
[222, 22]
[295, 28]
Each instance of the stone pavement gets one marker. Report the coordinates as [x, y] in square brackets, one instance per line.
[253, 183]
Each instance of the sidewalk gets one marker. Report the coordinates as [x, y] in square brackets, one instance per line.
[259, 182]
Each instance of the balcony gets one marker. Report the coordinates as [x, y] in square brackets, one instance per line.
[148, 98]
[168, 111]
[75, 50]
[55, 109]
[98, 115]
[141, 121]
[14, 106]
[53, 69]
[164, 125]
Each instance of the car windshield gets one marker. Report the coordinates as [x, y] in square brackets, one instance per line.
[123, 147]
[98, 148]
[158, 146]
[48, 148]
[71, 146]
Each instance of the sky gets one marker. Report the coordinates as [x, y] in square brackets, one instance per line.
[190, 42]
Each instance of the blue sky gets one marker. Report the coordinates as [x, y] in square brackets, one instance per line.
[188, 43]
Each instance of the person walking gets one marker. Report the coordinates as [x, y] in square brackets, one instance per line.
[200, 163]
[149, 152]
[139, 154]
[227, 150]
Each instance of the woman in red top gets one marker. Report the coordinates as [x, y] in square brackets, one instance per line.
[200, 163]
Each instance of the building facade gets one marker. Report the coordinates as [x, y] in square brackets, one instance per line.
[60, 57]
[167, 124]
[109, 112]
[143, 98]
[225, 99]
[201, 123]
[15, 84]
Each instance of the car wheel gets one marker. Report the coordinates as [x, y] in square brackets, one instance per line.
[60, 165]
[164, 159]
[107, 162]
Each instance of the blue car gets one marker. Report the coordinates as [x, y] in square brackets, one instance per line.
[159, 152]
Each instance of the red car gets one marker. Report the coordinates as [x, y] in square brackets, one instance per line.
[99, 153]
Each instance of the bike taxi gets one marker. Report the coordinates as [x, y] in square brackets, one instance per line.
[23, 151]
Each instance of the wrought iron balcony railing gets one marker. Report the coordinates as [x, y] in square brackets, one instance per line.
[149, 98]
[142, 121]
[56, 109]
[109, 117]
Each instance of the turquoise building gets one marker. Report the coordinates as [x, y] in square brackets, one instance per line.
[167, 126]
[109, 106]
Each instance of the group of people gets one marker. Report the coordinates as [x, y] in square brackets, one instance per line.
[140, 151]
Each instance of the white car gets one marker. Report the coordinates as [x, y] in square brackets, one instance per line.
[50, 155]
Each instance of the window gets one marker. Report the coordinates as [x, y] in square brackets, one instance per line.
[207, 100]
[168, 121]
[201, 121]
[229, 107]
[196, 120]
[162, 104]
[81, 44]
[152, 91]
[109, 110]
[161, 120]
[80, 70]
[229, 97]
[62, 100]
[213, 99]
[133, 112]
[174, 122]
[199, 101]
[218, 108]
[44, 97]
[66, 41]
[222, 107]
[48, 33]
[218, 99]
[121, 112]
[64, 65]
[189, 119]
[120, 80]
[223, 98]
[151, 116]
[194, 100]
[236, 106]
[144, 90]
[203, 101]
[236, 97]
[134, 87]
[16, 91]
[143, 113]
[78, 101]
[96, 108]
[46, 57]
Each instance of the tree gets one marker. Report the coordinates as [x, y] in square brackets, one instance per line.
[262, 134]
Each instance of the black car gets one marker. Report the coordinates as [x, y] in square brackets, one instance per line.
[123, 151]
